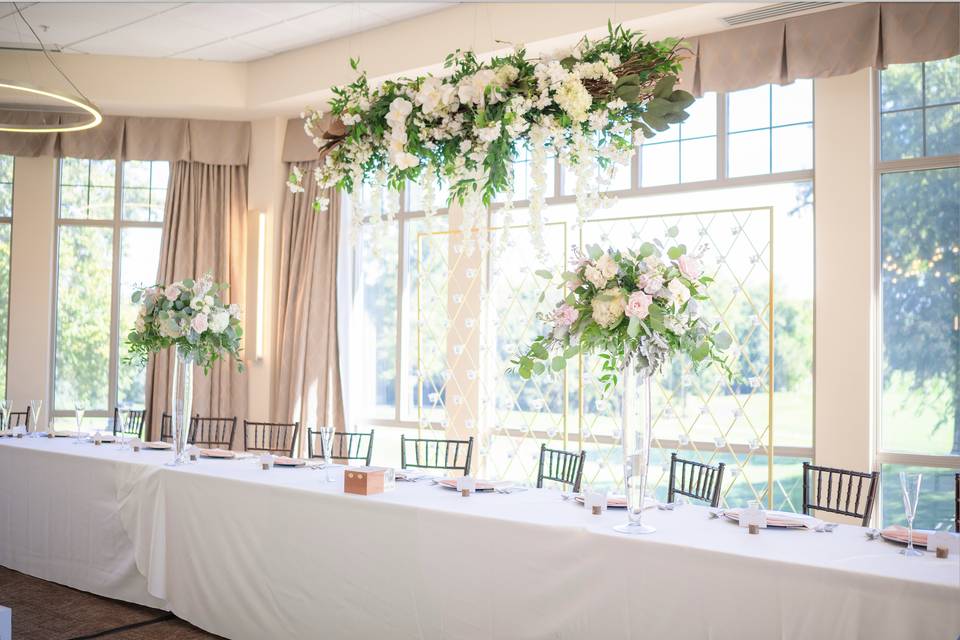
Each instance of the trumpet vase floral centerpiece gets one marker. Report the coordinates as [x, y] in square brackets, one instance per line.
[634, 310]
[191, 317]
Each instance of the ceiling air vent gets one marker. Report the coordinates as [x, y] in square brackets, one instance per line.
[774, 11]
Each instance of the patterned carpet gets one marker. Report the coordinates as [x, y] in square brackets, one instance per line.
[47, 611]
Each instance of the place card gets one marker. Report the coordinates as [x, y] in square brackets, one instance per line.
[19, 431]
[193, 453]
[753, 516]
[945, 541]
[466, 485]
[594, 501]
[135, 444]
[266, 461]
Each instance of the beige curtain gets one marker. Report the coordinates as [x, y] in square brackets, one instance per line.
[307, 384]
[204, 230]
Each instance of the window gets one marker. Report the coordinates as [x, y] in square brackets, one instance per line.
[770, 129]
[108, 242]
[920, 110]
[919, 270]
[436, 327]
[6, 218]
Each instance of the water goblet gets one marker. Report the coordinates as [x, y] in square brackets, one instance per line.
[36, 410]
[79, 409]
[910, 489]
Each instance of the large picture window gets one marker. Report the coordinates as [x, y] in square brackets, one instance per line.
[108, 242]
[437, 326]
[919, 270]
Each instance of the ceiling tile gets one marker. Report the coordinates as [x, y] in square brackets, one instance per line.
[227, 19]
[68, 23]
[229, 50]
[160, 35]
[279, 37]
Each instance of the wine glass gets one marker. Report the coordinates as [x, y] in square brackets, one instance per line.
[36, 410]
[910, 488]
[79, 410]
[5, 413]
[119, 430]
[326, 441]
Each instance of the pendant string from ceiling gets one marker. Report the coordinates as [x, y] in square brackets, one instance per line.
[46, 53]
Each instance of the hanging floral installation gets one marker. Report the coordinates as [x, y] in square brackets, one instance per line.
[590, 106]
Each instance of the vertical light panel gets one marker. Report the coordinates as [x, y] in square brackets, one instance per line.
[261, 267]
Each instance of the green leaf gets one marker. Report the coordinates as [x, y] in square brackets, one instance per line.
[628, 92]
[543, 273]
[630, 79]
[558, 363]
[188, 283]
[673, 232]
[571, 352]
[655, 121]
[700, 352]
[659, 107]
[676, 118]
[570, 276]
[538, 368]
[646, 250]
[537, 350]
[136, 296]
[633, 329]
[682, 98]
[524, 373]
[723, 340]
[674, 253]
[665, 87]
[594, 251]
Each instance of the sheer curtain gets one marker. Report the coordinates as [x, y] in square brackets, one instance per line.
[307, 383]
[204, 231]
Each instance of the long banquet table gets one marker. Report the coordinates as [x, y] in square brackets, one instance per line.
[247, 553]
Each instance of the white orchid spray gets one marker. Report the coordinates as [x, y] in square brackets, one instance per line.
[466, 128]
[635, 309]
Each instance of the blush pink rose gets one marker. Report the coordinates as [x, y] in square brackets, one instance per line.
[565, 315]
[690, 266]
[199, 323]
[638, 305]
[172, 292]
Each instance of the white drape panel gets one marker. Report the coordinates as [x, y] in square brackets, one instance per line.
[247, 553]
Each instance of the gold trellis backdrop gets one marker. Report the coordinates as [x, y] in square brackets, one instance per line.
[474, 308]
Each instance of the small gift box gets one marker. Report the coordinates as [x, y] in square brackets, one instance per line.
[365, 481]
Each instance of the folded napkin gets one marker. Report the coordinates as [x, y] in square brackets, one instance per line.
[781, 519]
[900, 533]
[617, 501]
[158, 445]
[411, 475]
[287, 461]
[216, 453]
[481, 485]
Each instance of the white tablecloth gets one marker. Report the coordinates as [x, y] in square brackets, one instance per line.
[247, 553]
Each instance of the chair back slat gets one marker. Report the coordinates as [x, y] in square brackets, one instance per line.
[428, 453]
[695, 480]
[278, 438]
[840, 498]
[17, 419]
[561, 466]
[347, 446]
[166, 427]
[212, 432]
[134, 424]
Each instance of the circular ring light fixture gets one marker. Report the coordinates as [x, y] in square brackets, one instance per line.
[91, 115]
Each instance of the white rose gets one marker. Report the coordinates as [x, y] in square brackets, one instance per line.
[679, 291]
[608, 266]
[653, 285]
[219, 321]
[594, 276]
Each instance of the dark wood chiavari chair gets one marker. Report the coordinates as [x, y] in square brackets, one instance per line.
[956, 512]
[695, 480]
[347, 445]
[839, 491]
[278, 438]
[561, 466]
[134, 426]
[166, 428]
[212, 432]
[436, 454]
[17, 419]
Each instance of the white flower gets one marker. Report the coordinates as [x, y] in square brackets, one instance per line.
[652, 261]
[234, 310]
[608, 267]
[595, 276]
[490, 132]
[219, 321]
[405, 160]
[679, 291]
[350, 119]
[654, 284]
[506, 74]
[574, 98]
[471, 89]
[608, 307]
[434, 95]
[199, 323]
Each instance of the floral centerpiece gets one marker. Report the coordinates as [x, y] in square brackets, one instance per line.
[192, 317]
[635, 310]
[586, 104]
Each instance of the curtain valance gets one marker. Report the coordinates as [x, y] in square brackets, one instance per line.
[823, 44]
[135, 138]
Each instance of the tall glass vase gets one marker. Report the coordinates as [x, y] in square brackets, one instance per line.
[637, 433]
[181, 400]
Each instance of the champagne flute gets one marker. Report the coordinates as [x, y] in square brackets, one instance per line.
[326, 440]
[79, 410]
[5, 413]
[910, 488]
[36, 410]
[120, 429]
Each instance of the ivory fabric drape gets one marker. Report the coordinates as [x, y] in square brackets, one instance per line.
[204, 231]
[307, 382]
[822, 44]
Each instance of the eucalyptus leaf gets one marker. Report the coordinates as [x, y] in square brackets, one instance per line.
[633, 329]
[723, 340]
[558, 363]
[543, 273]
[674, 253]
[683, 98]
[665, 87]
[655, 121]
[594, 251]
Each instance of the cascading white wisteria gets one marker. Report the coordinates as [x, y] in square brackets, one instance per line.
[467, 127]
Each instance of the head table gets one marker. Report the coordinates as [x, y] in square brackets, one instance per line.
[248, 553]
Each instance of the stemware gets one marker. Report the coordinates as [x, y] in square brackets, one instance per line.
[79, 410]
[36, 410]
[5, 413]
[910, 488]
[119, 430]
[326, 441]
